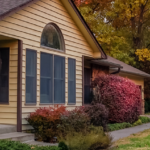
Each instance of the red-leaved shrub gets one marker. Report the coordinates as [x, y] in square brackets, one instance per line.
[121, 96]
[45, 122]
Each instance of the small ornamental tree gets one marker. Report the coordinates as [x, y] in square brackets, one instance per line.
[121, 96]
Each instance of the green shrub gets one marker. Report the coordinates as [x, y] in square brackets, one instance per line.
[95, 139]
[118, 126]
[11, 145]
[144, 119]
[138, 122]
[63, 146]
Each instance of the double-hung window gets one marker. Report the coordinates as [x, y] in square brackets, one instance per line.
[52, 84]
[31, 61]
[59, 79]
[46, 78]
[71, 81]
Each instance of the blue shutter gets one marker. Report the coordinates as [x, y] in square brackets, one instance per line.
[46, 89]
[59, 80]
[71, 81]
[31, 76]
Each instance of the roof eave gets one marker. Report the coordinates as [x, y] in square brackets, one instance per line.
[141, 75]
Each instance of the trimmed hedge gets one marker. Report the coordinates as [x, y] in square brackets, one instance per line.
[11, 145]
[119, 126]
[144, 119]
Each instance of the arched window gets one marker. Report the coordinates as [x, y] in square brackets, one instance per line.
[52, 37]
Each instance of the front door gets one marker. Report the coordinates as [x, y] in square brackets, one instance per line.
[87, 86]
[4, 75]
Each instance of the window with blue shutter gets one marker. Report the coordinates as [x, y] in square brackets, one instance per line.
[71, 81]
[46, 81]
[31, 61]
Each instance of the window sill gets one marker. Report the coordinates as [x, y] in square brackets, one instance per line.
[7, 103]
[52, 104]
[52, 49]
[71, 103]
[30, 104]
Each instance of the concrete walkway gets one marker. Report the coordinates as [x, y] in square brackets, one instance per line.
[128, 131]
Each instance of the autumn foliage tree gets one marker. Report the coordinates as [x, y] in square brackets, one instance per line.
[122, 27]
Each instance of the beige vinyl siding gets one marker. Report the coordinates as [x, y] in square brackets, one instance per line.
[27, 25]
[8, 112]
[138, 81]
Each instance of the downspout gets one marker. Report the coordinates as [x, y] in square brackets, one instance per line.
[19, 88]
[116, 72]
[82, 80]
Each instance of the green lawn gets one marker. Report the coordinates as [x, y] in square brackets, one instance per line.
[139, 141]
[11, 145]
[147, 113]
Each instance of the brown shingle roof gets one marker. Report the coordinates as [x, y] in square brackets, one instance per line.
[9, 5]
[127, 68]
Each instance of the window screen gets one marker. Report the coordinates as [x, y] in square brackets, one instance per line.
[59, 79]
[30, 76]
[4, 75]
[46, 87]
[71, 80]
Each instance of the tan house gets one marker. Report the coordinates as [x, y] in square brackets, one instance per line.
[46, 55]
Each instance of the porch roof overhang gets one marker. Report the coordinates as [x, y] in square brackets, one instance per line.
[105, 62]
[3, 37]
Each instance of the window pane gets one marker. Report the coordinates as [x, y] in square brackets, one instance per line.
[59, 79]
[71, 80]
[51, 37]
[46, 89]
[30, 63]
[4, 75]
[46, 65]
[30, 76]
